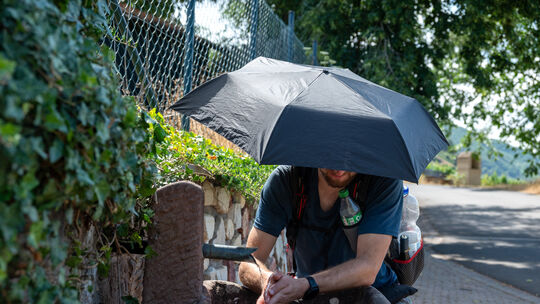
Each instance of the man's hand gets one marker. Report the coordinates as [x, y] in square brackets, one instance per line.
[283, 289]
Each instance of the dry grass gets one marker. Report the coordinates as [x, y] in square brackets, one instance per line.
[531, 188]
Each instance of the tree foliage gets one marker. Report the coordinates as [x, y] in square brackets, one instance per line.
[472, 61]
[72, 148]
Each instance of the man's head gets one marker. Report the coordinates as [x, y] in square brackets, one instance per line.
[337, 178]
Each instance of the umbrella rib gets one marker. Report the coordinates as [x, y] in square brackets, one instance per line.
[282, 110]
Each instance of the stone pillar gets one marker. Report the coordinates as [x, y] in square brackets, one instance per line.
[174, 275]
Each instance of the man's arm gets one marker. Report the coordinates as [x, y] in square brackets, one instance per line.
[361, 271]
[248, 272]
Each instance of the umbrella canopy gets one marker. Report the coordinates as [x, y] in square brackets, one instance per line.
[320, 117]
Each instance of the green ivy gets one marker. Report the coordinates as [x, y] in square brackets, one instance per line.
[182, 155]
[72, 149]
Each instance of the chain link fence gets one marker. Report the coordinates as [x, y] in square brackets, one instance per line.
[165, 48]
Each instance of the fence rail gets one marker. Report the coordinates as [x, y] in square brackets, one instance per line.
[166, 48]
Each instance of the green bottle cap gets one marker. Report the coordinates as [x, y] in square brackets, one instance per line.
[343, 193]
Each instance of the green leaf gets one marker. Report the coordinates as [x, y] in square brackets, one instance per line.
[159, 133]
[56, 151]
[54, 121]
[149, 252]
[9, 129]
[35, 234]
[102, 190]
[131, 116]
[103, 269]
[74, 261]
[130, 300]
[7, 67]
[84, 177]
[102, 131]
[123, 230]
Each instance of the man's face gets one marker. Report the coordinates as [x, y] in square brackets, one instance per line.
[337, 178]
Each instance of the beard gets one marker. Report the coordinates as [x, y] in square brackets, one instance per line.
[334, 182]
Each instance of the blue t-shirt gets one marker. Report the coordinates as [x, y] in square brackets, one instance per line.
[318, 250]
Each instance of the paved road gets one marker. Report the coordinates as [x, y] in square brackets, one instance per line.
[496, 233]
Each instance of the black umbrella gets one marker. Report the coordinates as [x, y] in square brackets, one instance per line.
[321, 117]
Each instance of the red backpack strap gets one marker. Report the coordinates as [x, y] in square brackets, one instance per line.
[301, 199]
[360, 189]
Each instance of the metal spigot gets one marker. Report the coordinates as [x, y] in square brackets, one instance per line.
[225, 252]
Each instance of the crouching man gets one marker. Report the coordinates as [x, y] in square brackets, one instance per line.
[323, 257]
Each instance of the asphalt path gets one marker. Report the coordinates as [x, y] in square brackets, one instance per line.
[494, 232]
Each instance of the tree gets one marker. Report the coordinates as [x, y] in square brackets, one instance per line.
[466, 60]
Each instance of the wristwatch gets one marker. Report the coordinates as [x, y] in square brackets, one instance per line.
[313, 289]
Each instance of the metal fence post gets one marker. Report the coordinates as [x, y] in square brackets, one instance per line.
[254, 24]
[315, 61]
[189, 44]
[290, 37]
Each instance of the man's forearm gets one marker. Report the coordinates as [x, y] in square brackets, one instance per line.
[254, 277]
[354, 273]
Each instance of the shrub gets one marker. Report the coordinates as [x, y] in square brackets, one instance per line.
[71, 146]
[184, 155]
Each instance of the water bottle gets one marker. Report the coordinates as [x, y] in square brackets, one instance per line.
[408, 227]
[351, 215]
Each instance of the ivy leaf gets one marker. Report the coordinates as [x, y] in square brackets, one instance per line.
[7, 67]
[56, 151]
[54, 121]
[74, 261]
[149, 252]
[102, 190]
[102, 132]
[9, 129]
[84, 177]
[159, 133]
[35, 234]
[147, 188]
[131, 116]
[130, 300]
[122, 230]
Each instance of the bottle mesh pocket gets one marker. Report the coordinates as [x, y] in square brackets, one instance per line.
[407, 271]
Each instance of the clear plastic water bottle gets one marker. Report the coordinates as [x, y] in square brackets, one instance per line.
[350, 217]
[408, 227]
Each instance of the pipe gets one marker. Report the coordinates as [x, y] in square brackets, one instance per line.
[232, 253]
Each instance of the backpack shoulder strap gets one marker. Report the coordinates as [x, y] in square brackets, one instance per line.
[360, 190]
[297, 180]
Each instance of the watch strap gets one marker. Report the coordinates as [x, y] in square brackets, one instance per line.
[313, 289]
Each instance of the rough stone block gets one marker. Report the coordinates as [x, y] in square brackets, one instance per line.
[221, 273]
[229, 229]
[209, 225]
[279, 249]
[245, 223]
[223, 200]
[236, 215]
[210, 273]
[239, 199]
[210, 197]
[174, 275]
[237, 240]
[220, 232]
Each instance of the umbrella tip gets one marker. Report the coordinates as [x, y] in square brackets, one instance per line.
[325, 71]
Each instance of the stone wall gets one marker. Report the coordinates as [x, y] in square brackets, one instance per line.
[227, 221]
